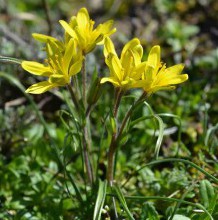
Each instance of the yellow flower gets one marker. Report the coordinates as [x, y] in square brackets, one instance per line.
[126, 71]
[80, 28]
[45, 38]
[157, 77]
[59, 67]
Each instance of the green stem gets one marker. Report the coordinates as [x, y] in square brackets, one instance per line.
[113, 144]
[75, 101]
[115, 137]
[112, 149]
[48, 17]
[128, 114]
[118, 96]
[84, 82]
[86, 155]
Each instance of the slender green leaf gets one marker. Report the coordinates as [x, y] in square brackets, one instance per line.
[10, 60]
[209, 133]
[160, 135]
[102, 190]
[123, 201]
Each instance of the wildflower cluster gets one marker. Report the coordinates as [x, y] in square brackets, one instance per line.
[65, 59]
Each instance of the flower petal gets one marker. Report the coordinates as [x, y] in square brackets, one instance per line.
[36, 68]
[75, 68]
[154, 56]
[137, 72]
[83, 18]
[116, 67]
[67, 28]
[175, 70]
[110, 79]
[106, 30]
[40, 87]
[69, 51]
[130, 45]
[172, 80]
[109, 47]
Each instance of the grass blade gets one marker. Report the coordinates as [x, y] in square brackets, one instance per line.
[10, 60]
[123, 201]
[160, 135]
[102, 190]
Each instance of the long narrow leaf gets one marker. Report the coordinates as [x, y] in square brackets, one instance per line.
[209, 133]
[123, 201]
[160, 135]
[10, 60]
[102, 190]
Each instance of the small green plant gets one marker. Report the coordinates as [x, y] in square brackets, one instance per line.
[97, 192]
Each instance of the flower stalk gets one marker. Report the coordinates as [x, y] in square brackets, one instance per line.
[85, 148]
[113, 144]
[84, 82]
[72, 94]
[128, 114]
[116, 135]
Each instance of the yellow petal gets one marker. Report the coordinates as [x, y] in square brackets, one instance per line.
[59, 79]
[128, 63]
[45, 38]
[109, 47]
[136, 55]
[110, 79]
[137, 72]
[54, 54]
[154, 89]
[75, 68]
[81, 37]
[173, 80]
[149, 73]
[116, 67]
[67, 28]
[83, 18]
[154, 56]
[175, 70]
[130, 45]
[70, 47]
[106, 30]
[40, 87]
[36, 68]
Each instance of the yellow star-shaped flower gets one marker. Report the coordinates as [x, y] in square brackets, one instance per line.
[81, 28]
[157, 77]
[126, 71]
[59, 67]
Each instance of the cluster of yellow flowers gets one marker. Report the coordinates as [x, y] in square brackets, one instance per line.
[65, 59]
